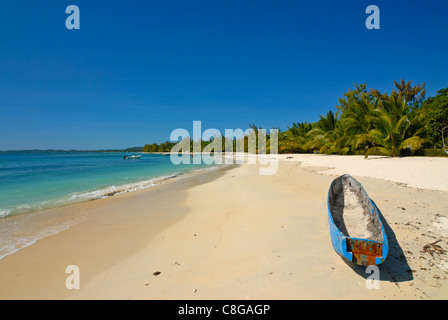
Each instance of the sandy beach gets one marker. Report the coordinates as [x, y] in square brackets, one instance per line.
[232, 233]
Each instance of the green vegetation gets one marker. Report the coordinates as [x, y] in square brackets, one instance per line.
[163, 147]
[366, 122]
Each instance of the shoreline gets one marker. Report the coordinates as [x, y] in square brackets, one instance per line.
[97, 221]
[96, 194]
[55, 219]
[233, 234]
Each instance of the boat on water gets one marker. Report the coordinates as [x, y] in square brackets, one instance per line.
[132, 157]
[356, 231]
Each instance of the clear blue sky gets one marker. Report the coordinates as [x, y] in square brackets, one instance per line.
[136, 70]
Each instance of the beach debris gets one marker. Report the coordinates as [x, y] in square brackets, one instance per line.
[195, 290]
[433, 247]
[156, 273]
[177, 263]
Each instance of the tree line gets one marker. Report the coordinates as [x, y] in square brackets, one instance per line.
[365, 122]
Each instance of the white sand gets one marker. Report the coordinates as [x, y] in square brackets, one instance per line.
[354, 218]
[417, 172]
[244, 236]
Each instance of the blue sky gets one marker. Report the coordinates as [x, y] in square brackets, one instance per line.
[136, 70]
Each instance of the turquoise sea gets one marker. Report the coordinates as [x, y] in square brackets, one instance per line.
[32, 182]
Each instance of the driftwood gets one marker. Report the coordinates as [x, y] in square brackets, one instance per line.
[433, 247]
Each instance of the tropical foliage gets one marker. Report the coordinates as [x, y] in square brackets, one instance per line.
[366, 122]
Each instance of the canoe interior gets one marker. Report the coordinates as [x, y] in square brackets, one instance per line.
[352, 211]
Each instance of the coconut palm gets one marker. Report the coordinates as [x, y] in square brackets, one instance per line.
[325, 136]
[357, 122]
[390, 133]
[329, 142]
[295, 138]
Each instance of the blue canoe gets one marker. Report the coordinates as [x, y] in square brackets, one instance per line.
[356, 231]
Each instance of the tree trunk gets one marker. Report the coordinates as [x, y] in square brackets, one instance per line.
[443, 139]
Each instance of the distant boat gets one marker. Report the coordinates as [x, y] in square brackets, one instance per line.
[132, 157]
[356, 231]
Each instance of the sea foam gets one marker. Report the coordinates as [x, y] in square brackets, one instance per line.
[4, 213]
[83, 196]
[15, 235]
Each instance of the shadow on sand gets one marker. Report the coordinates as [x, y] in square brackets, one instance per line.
[396, 267]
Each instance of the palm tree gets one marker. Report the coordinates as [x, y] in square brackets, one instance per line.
[295, 138]
[357, 122]
[328, 122]
[324, 136]
[390, 133]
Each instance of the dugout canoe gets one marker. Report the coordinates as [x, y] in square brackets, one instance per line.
[356, 231]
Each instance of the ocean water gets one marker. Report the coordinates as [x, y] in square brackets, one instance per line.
[30, 182]
[33, 182]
